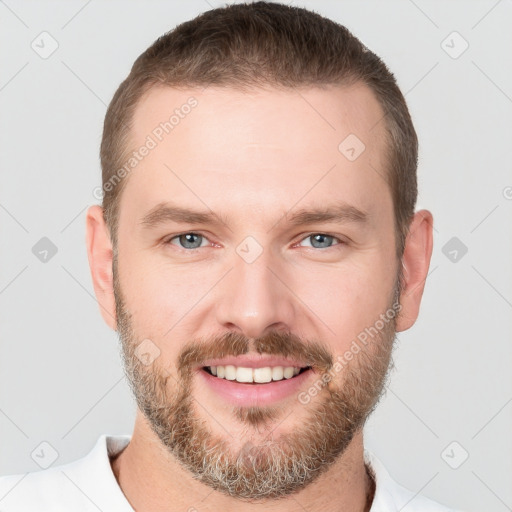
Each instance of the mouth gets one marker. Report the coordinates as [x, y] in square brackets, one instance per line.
[253, 376]
[258, 386]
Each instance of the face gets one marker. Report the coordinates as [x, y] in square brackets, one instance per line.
[285, 258]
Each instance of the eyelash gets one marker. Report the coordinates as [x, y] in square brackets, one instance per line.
[339, 240]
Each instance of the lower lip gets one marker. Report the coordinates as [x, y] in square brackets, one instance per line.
[238, 393]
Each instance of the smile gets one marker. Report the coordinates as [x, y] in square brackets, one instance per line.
[289, 382]
[254, 375]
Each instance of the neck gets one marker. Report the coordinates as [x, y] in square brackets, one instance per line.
[151, 478]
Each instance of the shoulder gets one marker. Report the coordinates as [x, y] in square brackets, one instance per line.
[50, 489]
[390, 496]
[81, 486]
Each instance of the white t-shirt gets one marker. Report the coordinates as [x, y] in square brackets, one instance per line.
[89, 485]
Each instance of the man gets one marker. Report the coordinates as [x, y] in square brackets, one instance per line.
[256, 250]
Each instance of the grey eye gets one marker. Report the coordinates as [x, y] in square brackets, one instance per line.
[189, 240]
[321, 241]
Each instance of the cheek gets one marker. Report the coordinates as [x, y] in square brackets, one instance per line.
[157, 294]
[350, 299]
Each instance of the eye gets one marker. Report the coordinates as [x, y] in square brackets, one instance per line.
[188, 240]
[193, 240]
[322, 240]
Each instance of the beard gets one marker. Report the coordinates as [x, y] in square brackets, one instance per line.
[274, 467]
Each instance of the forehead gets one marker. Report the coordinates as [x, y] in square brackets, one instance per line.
[258, 148]
[321, 115]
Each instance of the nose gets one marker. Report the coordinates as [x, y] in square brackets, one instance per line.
[254, 299]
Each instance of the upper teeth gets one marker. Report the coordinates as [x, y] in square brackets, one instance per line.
[260, 375]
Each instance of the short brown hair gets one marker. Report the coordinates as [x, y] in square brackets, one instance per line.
[255, 45]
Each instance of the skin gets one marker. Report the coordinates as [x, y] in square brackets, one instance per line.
[252, 158]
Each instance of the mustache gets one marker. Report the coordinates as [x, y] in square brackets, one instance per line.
[235, 344]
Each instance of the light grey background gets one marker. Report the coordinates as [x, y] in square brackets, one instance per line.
[60, 374]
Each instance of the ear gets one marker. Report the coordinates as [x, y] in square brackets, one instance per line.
[415, 261]
[99, 252]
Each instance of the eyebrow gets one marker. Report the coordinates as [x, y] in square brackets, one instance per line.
[337, 213]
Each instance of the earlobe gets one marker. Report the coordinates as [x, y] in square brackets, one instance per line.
[415, 265]
[99, 252]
